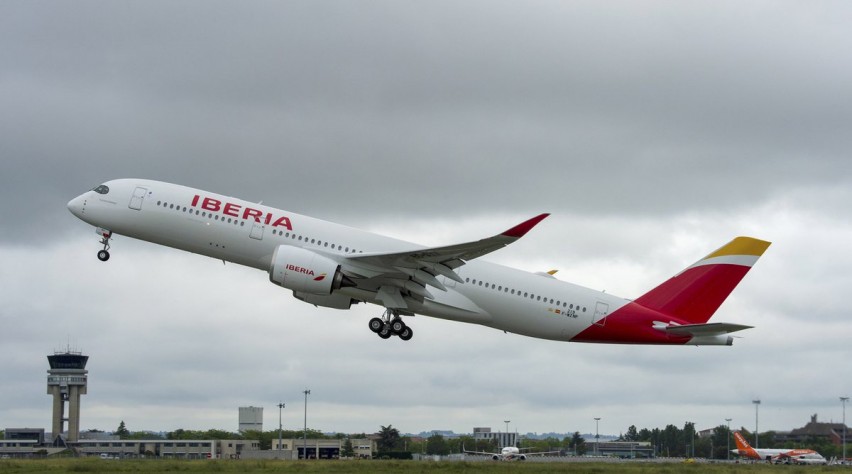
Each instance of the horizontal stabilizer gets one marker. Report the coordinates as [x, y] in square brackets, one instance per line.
[709, 329]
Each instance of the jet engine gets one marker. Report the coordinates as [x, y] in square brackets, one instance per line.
[334, 301]
[495, 458]
[306, 272]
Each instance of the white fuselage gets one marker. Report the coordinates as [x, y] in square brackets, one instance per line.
[248, 234]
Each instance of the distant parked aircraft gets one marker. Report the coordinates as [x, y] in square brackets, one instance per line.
[797, 456]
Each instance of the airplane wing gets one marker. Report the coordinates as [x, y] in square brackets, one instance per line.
[482, 453]
[708, 329]
[541, 453]
[394, 274]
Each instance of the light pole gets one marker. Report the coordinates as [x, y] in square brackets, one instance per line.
[756, 432]
[280, 407]
[597, 436]
[305, 442]
[692, 440]
[843, 401]
[728, 436]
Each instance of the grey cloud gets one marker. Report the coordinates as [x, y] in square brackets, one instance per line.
[652, 132]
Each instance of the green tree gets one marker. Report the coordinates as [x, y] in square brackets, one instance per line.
[577, 444]
[122, 432]
[721, 441]
[144, 435]
[388, 439]
[436, 444]
[347, 451]
[632, 434]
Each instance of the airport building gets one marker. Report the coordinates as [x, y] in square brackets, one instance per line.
[295, 448]
[27, 443]
[503, 438]
[620, 449]
[832, 432]
[250, 419]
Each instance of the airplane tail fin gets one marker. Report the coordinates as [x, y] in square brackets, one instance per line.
[697, 292]
[742, 444]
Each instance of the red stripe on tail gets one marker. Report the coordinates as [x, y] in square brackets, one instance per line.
[695, 294]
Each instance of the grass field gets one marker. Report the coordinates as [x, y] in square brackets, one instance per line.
[100, 465]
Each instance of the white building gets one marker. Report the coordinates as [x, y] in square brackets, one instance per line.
[251, 419]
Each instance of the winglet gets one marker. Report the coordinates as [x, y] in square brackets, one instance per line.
[519, 230]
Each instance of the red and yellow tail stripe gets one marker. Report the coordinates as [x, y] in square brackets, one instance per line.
[741, 251]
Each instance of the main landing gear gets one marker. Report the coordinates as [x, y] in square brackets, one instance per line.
[103, 255]
[390, 324]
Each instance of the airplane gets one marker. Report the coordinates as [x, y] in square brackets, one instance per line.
[797, 456]
[510, 453]
[334, 266]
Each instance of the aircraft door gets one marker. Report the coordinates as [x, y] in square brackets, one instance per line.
[257, 231]
[601, 310]
[137, 198]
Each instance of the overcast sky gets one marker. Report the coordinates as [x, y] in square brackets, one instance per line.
[653, 132]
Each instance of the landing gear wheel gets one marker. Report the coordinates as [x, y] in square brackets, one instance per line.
[376, 325]
[103, 255]
[390, 324]
[397, 326]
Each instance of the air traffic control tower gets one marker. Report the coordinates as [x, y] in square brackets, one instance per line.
[66, 381]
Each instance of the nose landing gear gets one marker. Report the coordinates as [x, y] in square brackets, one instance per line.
[103, 255]
[390, 324]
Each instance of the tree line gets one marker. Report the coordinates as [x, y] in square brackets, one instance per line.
[671, 441]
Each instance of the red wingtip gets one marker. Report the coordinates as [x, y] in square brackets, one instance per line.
[519, 230]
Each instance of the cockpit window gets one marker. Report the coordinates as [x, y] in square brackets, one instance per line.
[102, 189]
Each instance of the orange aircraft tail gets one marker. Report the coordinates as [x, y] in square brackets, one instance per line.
[743, 446]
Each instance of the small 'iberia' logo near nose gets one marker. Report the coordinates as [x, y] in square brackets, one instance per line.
[321, 277]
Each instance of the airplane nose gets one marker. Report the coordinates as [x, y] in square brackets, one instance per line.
[76, 206]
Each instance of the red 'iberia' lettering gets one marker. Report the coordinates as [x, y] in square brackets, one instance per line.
[237, 210]
[294, 268]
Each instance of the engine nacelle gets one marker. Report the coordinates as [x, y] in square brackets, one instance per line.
[305, 271]
[522, 457]
[495, 458]
[334, 301]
